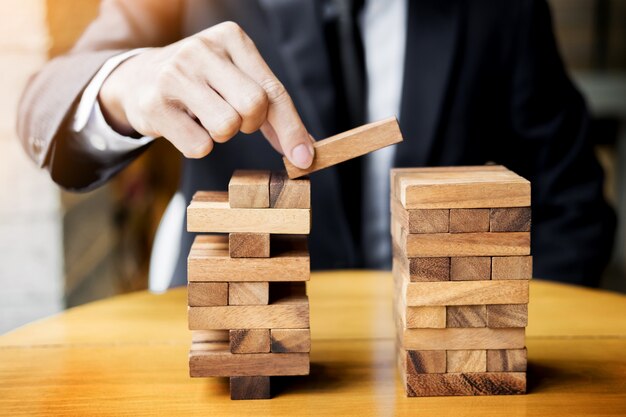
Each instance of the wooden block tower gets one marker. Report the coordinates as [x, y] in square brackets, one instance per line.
[248, 308]
[461, 267]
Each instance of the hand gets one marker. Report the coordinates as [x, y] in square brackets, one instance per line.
[205, 89]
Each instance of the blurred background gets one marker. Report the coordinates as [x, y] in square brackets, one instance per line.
[59, 250]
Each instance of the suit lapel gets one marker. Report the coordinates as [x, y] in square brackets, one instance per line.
[432, 33]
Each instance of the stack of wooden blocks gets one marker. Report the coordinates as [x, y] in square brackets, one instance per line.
[461, 270]
[248, 308]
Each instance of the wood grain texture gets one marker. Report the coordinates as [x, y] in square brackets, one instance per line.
[482, 383]
[287, 193]
[430, 317]
[249, 341]
[469, 220]
[250, 388]
[507, 360]
[348, 145]
[249, 189]
[209, 260]
[421, 221]
[455, 293]
[290, 313]
[466, 316]
[207, 336]
[209, 212]
[514, 219]
[424, 361]
[511, 267]
[422, 269]
[249, 245]
[470, 268]
[508, 315]
[290, 340]
[466, 361]
[248, 293]
[454, 339]
[206, 294]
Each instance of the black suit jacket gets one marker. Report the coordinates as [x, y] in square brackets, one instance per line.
[483, 82]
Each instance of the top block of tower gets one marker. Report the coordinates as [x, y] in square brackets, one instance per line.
[459, 187]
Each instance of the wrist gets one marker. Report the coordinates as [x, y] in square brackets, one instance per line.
[110, 100]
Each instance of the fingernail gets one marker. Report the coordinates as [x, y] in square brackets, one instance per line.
[301, 156]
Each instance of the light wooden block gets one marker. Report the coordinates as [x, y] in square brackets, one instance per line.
[514, 219]
[208, 336]
[502, 360]
[466, 316]
[249, 245]
[290, 340]
[250, 341]
[455, 293]
[209, 212]
[455, 339]
[470, 268]
[422, 269]
[466, 361]
[480, 383]
[469, 220]
[206, 294]
[349, 145]
[511, 267]
[430, 317]
[509, 315]
[250, 388]
[421, 221]
[424, 361]
[209, 260]
[287, 193]
[248, 293]
[249, 189]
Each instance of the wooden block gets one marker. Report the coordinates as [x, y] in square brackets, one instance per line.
[215, 359]
[422, 269]
[284, 314]
[469, 220]
[209, 212]
[455, 339]
[421, 221]
[456, 293]
[209, 260]
[249, 189]
[249, 245]
[286, 193]
[515, 219]
[480, 383]
[250, 388]
[425, 361]
[250, 341]
[290, 340]
[206, 294]
[503, 360]
[349, 145]
[430, 317]
[466, 316]
[248, 293]
[511, 267]
[208, 336]
[470, 268]
[508, 315]
[466, 361]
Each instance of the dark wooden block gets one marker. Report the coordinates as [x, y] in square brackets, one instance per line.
[507, 360]
[481, 383]
[469, 220]
[250, 387]
[470, 268]
[429, 269]
[507, 315]
[514, 219]
[466, 316]
[425, 361]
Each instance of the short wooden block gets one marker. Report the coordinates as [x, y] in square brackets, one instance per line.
[209, 212]
[290, 340]
[206, 294]
[289, 313]
[430, 317]
[249, 245]
[250, 388]
[508, 315]
[249, 189]
[466, 316]
[421, 221]
[250, 341]
[466, 361]
[480, 383]
[469, 220]
[512, 267]
[502, 360]
[209, 260]
[455, 293]
[470, 268]
[286, 193]
[422, 269]
[208, 336]
[348, 145]
[248, 293]
[425, 361]
[514, 219]
[455, 339]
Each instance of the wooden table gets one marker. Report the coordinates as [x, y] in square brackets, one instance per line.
[128, 356]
